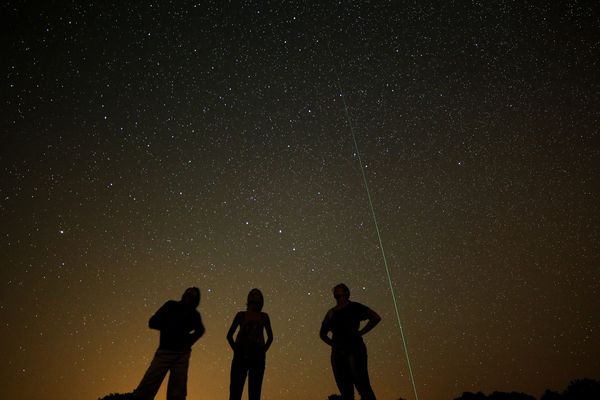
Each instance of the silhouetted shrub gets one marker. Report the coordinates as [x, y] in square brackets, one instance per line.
[582, 389]
[579, 389]
[551, 395]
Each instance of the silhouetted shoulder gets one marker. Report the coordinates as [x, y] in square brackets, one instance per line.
[158, 320]
[328, 315]
[170, 303]
[239, 316]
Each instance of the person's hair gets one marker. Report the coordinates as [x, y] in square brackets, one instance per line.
[196, 292]
[261, 302]
[344, 287]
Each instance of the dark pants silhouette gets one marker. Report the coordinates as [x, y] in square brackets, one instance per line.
[242, 366]
[350, 370]
[176, 364]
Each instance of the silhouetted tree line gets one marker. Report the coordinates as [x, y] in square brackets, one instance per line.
[496, 396]
[579, 389]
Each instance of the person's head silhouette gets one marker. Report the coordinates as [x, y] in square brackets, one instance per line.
[255, 299]
[191, 297]
[341, 291]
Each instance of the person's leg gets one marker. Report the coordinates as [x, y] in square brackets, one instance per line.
[237, 378]
[255, 378]
[342, 374]
[360, 374]
[153, 377]
[177, 388]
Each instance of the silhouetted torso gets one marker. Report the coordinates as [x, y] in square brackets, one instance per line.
[344, 324]
[250, 340]
[175, 320]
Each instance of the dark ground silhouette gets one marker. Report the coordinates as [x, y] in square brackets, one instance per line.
[496, 396]
[578, 389]
[117, 396]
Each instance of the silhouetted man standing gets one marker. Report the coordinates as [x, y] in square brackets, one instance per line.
[180, 326]
[348, 350]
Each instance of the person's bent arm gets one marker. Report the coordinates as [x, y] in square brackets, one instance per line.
[269, 332]
[324, 332]
[372, 320]
[198, 331]
[231, 331]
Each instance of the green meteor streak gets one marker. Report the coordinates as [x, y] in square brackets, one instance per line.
[387, 270]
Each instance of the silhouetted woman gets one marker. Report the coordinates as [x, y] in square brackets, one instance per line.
[249, 347]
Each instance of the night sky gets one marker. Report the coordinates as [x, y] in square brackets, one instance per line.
[148, 148]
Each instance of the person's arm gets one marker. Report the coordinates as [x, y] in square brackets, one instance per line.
[232, 329]
[324, 332]
[372, 320]
[198, 330]
[269, 332]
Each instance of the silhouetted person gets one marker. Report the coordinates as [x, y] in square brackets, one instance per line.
[249, 347]
[348, 350]
[180, 326]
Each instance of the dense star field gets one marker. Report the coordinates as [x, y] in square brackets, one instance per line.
[146, 148]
